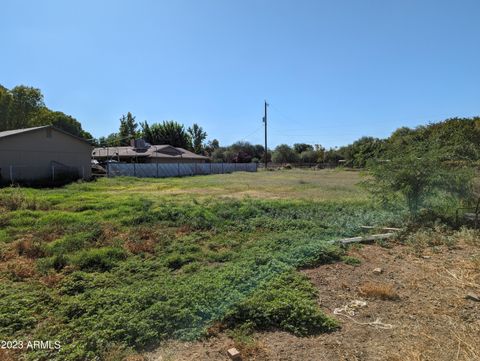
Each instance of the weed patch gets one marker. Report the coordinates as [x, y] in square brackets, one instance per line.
[383, 291]
[121, 264]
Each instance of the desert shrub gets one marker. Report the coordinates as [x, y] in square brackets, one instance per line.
[288, 303]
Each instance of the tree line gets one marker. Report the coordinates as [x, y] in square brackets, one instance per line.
[24, 107]
[456, 139]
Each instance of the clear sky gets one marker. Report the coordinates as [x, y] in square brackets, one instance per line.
[333, 70]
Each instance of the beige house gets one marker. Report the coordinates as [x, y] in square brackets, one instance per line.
[43, 153]
[141, 152]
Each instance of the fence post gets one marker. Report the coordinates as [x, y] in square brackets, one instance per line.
[134, 169]
[11, 174]
[53, 173]
[223, 171]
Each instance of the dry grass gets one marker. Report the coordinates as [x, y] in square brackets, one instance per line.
[6, 355]
[18, 269]
[140, 246]
[299, 184]
[135, 358]
[383, 291]
[29, 248]
[51, 280]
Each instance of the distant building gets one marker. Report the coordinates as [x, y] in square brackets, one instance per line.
[142, 152]
[43, 153]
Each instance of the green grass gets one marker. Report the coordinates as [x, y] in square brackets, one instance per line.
[129, 262]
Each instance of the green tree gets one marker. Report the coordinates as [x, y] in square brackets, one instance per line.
[284, 154]
[212, 146]
[168, 132]
[302, 147]
[59, 120]
[23, 107]
[362, 150]
[198, 136]
[25, 103]
[5, 105]
[421, 180]
[309, 156]
[128, 129]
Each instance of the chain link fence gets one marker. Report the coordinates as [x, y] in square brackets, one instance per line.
[162, 170]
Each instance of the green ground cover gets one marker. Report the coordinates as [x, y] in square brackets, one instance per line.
[129, 262]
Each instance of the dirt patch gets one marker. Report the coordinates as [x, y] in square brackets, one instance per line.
[429, 318]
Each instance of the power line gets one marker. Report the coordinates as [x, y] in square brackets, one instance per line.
[252, 133]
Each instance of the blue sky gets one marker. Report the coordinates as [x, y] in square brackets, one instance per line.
[333, 71]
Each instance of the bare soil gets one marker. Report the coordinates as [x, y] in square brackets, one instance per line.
[430, 317]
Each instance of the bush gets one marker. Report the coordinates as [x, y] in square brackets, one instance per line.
[352, 261]
[98, 259]
[288, 303]
[422, 179]
[176, 261]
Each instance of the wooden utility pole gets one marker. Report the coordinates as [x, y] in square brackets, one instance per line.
[265, 122]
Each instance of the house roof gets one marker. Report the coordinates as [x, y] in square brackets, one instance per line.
[153, 151]
[9, 133]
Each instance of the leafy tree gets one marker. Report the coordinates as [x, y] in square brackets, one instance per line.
[239, 152]
[18, 106]
[245, 152]
[128, 129]
[361, 151]
[26, 101]
[284, 154]
[332, 156]
[59, 120]
[112, 140]
[168, 132]
[301, 147]
[309, 156]
[6, 100]
[212, 146]
[420, 179]
[198, 135]
[23, 107]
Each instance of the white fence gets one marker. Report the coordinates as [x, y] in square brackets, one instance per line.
[162, 170]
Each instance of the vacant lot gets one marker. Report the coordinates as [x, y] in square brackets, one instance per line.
[424, 315]
[115, 267]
